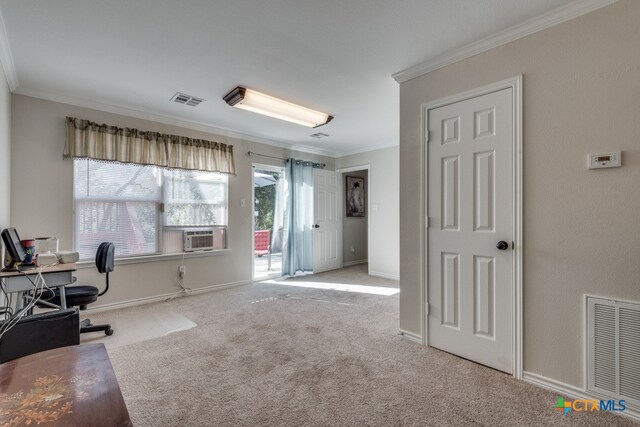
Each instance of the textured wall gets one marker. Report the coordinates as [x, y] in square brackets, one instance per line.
[42, 204]
[581, 227]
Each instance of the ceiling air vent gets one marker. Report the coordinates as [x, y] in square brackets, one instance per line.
[183, 98]
[319, 135]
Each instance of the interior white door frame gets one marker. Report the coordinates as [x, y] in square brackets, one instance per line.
[368, 212]
[515, 83]
[264, 167]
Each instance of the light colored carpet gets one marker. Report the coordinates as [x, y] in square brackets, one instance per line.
[136, 325]
[273, 355]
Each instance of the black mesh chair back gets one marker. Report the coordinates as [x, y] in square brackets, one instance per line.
[105, 261]
[105, 256]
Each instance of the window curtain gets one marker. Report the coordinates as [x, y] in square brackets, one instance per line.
[86, 139]
[298, 249]
[278, 216]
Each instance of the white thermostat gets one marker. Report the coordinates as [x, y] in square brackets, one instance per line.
[605, 160]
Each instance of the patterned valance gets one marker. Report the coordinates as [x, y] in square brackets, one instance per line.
[86, 139]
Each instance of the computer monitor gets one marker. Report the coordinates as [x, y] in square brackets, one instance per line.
[13, 245]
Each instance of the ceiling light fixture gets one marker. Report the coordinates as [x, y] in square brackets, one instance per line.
[257, 102]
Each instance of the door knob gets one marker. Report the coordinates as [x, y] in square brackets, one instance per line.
[502, 245]
[315, 226]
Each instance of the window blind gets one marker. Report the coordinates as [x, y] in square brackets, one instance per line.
[116, 203]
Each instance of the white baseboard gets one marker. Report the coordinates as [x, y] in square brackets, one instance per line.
[357, 262]
[410, 336]
[573, 392]
[384, 275]
[161, 297]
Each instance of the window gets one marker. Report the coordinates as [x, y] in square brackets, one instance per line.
[194, 198]
[122, 203]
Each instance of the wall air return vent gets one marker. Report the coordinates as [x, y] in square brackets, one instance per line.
[614, 349]
[183, 98]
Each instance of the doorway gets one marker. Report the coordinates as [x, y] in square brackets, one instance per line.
[355, 218]
[356, 227]
[473, 235]
[268, 220]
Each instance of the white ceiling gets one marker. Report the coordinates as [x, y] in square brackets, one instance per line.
[335, 56]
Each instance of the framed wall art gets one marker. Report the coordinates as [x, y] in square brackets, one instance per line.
[355, 196]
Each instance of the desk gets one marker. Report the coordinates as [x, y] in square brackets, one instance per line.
[70, 386]
[56, 276]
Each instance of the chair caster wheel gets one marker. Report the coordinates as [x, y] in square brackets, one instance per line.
[108, 332]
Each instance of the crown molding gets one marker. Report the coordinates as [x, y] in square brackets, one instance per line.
[167, 119]
[539, 23]
[367, 150]
[7, 58]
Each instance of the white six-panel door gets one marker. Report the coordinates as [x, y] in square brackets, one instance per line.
[470, 209]
[327, 207]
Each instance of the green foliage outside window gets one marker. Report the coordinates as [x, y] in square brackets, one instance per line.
[265, 198]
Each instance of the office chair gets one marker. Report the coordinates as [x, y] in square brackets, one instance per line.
[80, 296]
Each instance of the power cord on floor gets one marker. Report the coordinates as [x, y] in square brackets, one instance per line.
[182, 292]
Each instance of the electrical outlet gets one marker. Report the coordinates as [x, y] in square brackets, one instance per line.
[182, 270]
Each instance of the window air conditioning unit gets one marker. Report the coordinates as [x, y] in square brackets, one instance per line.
[198, 240]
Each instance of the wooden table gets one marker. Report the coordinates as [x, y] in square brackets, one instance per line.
[68, 386]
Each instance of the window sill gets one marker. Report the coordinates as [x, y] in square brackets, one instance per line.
[160, 257]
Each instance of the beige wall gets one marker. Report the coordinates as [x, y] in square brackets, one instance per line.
[581, 227]
[383, 216]
[42, 198]
[5, 151]
[354, 229]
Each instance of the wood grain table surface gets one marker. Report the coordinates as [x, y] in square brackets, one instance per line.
[68, 386]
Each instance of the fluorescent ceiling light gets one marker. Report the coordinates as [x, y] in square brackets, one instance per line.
[257, 102]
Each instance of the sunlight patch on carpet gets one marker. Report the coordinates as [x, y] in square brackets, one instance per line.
[133, 326]
[343, 287]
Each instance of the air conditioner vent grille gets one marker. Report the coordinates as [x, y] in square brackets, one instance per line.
[604, 337]
[183, 98]
[630, 353]
[205, 239]
[614, 349]
[198, 240]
